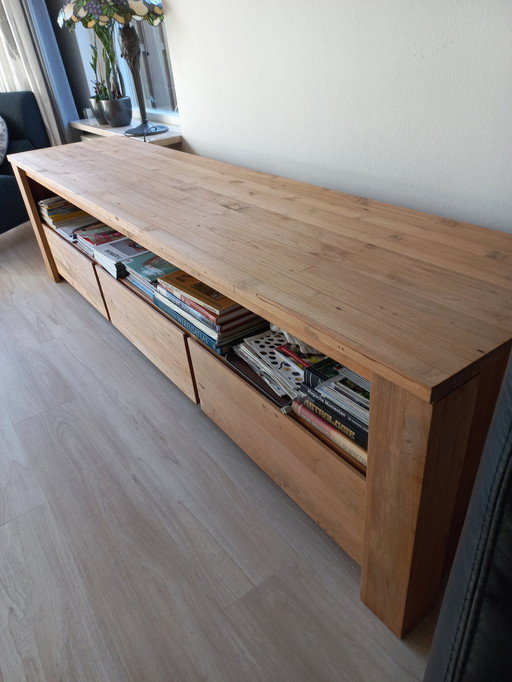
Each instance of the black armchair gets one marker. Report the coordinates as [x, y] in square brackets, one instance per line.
[26, 131]
[472, 640]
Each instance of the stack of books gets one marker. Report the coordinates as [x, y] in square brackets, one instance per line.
[322, 394]
[213, 318]
[63, 216]
[336, 401]
[144, 270]
[108, 247]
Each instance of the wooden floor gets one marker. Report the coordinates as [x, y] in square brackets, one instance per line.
[137, 542]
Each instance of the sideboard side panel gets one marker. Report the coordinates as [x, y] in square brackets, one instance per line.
[419, 455]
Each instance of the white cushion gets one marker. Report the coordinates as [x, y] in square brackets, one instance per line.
[4, 139]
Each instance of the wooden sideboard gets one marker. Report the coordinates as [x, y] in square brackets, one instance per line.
[420, 305]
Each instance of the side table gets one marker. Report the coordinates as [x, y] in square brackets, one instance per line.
[93, 129]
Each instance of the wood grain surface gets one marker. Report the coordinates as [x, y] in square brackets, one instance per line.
[331, 491]
[76, 269]
[138, 542]
[412, 498]
[414, 298]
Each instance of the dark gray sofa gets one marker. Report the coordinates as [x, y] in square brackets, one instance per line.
[473, 637]
[26, 131]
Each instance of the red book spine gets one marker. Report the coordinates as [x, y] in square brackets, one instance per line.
[329, 431]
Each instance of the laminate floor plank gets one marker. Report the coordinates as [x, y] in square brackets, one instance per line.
[158, 603]
[19, 488]
[48, 310]
[163, 553]
[48, 631]
[335, 572]
[167, 462]
[30, 382]
[288, 616]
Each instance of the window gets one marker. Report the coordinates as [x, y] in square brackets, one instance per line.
[155, 69]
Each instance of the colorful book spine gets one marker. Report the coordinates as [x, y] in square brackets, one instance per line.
[330, 432]
[186, 308]
[143, 286]
[331, 407]
[181, 283]
[338, 422]
[207, 314]
[195, 331]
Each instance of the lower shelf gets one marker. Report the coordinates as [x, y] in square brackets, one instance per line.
[327, 488]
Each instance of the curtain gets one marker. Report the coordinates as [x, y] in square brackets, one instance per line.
[30, 60]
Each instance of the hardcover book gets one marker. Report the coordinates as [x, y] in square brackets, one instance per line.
[181, 283]
[160, 301]
[330, 432]
[145, 287]
[242, 320]
[338, 422]
[336, 411]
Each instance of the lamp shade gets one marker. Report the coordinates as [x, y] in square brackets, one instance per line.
[101, 12]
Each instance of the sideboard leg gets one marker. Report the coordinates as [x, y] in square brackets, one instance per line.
[33, 214]
[420, 450]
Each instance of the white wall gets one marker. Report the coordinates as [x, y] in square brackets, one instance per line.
[405, 101]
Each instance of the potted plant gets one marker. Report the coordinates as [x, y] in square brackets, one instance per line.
[101, 65]
[102, 16]
[108, 102]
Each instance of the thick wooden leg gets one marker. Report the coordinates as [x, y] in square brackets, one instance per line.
[412, 481]
[27, 192]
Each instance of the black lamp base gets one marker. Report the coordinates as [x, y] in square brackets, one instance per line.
[145, 129]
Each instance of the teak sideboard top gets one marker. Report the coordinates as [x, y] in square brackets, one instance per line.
[419, 300]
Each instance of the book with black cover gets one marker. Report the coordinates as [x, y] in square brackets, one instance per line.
[346, 427]
[332, 434]
[333, 409]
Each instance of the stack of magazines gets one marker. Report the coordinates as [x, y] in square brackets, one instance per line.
[112, 254]
[278, 362]
[212, 317]
[327, 397]
[63, 216]
[89, 238]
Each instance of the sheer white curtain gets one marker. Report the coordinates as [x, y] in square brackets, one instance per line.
[30, 60]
